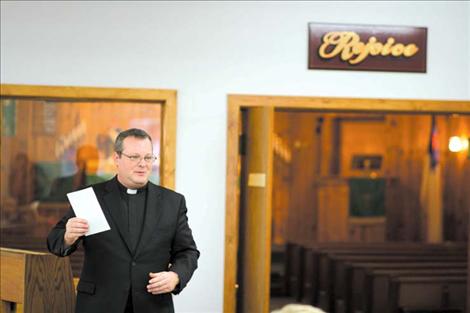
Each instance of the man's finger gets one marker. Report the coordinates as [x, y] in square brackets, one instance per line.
[157, 283]
[78, 224]
[163, 289]
[80, 220]
[82, 232]
[80, 227]
[158, 280]
[77, 231]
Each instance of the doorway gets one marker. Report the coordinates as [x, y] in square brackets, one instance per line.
[233, 206]
[360, 179]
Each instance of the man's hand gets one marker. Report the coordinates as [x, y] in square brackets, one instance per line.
[74, 229]
[162, 282]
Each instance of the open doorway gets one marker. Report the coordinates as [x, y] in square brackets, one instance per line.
[361, 178]
[233, 265]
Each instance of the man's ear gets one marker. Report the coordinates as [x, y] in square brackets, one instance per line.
[116, 158]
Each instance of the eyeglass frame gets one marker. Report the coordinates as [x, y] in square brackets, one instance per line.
[138, 158]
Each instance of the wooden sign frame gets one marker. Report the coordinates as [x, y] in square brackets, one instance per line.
[367, 47]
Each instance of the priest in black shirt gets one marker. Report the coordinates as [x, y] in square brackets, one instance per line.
[148, 253]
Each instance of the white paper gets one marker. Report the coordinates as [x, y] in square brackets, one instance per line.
[85, 205]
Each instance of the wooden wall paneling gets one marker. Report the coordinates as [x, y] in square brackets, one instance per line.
[394, 148]
[333, 210]
[312, 159]
[403, 219]
[281, 177]
[413, 166]
[399, 228]
[327, 150]
[464, 170]
[362, 136]
[391, 171]
[304, 163]
[336, 147]
[456, 181]
[293, 213]
[435, 226]
[468, 257]
[318, 148]
[280, 201]
[367, 229]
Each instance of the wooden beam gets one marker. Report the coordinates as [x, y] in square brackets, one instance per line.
[354, 104]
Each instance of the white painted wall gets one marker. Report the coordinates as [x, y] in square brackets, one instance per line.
[468, 61]
[207, 50]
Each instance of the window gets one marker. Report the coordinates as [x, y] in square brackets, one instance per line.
[51, 146]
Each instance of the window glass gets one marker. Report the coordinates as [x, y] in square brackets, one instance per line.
[52, 147]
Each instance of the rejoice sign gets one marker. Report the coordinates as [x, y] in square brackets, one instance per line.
[361, 47]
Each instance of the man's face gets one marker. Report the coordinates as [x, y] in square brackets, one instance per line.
[134, 173]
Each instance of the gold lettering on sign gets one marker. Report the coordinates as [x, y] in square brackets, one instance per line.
[351, 49]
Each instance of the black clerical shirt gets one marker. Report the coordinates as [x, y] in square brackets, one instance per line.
[134, 212]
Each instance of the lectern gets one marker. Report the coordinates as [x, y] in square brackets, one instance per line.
[42, 282]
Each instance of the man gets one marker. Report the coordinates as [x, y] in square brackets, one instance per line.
[149, 252]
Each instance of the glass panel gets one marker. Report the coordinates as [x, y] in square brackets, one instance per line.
[52, 147]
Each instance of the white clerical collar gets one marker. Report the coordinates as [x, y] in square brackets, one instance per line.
[131, 191]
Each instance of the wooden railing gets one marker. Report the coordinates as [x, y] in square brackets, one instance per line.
[38, 282]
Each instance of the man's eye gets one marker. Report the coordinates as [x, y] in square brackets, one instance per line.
[148, 159]
[134, 157]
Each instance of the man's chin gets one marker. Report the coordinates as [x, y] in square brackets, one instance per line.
[140, 182]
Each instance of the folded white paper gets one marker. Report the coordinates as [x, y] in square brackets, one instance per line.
[85, 205]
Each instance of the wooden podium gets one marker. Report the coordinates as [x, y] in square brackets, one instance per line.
[41, 282]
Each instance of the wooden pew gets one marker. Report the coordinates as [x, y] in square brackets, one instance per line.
[309, 278]
[312, 258]
[424, 294]
[377, 283]
[354, 295]
[42, 282]
[278, 268]
[333, 263]
[294, 270]
[349, 276]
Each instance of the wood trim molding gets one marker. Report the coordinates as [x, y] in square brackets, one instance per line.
[168, 145]
[88, 93]
[167, 98]
[236, 102]
[232, 208]
[353, 104]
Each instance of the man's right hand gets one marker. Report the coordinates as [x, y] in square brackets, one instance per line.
[74, 229]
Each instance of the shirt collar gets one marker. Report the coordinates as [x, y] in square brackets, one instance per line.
[124, 190]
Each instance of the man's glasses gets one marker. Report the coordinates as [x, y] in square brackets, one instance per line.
[137, 158]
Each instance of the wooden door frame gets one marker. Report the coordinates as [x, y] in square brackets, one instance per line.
[165, 97]
[237, 102]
